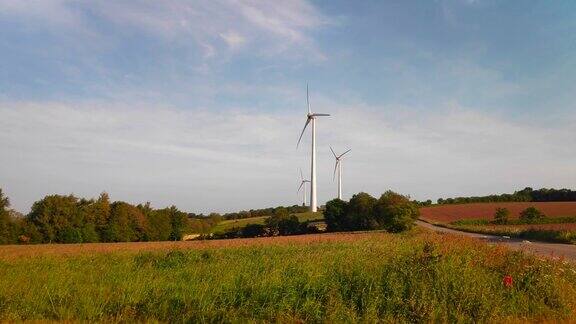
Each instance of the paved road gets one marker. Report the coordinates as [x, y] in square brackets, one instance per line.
[568, 251]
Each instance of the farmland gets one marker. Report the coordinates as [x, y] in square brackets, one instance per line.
[416, 276]
[558, 227]
[451, 213]
[559, 233]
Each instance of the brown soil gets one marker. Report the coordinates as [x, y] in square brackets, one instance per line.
[450, 213]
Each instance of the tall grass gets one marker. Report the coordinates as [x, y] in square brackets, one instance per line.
[417, 276]
[562, 235]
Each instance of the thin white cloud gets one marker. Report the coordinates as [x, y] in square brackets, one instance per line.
[206, 160]
[270, 27]
[233, 39]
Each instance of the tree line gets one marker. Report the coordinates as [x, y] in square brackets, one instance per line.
[525, 195]
[280, 223]
[69, 219]
[392, 212]
[295, 209]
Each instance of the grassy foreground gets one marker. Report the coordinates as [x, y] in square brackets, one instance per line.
[417, 276]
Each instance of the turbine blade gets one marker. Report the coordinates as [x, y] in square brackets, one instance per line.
[335, 167]
[333, 152]
[305, 125]
[320, 115]
[299, 188]
[301, 175]
[341, 155]
[308, 99]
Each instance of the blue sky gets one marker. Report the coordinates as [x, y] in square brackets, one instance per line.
[200, 103]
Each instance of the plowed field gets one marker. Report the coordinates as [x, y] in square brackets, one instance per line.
[450, 213]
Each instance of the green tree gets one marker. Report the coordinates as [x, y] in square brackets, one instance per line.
[8, 228]
[253, 230]
[127, 224]
[160, 223]
[360, 212]
[289, 225]
[283, 224]
[531, 215]
[89, 233]
[394, 212]
[215, 218]
[54, 216]
[501, 215]
[180, 225]
[100, 211]
[280, 212]
[335, 215]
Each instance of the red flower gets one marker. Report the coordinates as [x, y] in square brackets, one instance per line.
[508, 281]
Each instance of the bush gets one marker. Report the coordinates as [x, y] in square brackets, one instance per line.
[464, 222]
[395, 212]
[531, 215]
[335, 215]
[501, 216]
[360, 212]
[282, 224]
[253, 230]
[392, 212]
[289, 226]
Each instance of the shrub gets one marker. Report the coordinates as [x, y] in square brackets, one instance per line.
[253, 230]
[335, 215]
[501, 216]
[360, 212]
[463, 222]
[289, 225]
[531, 215]
[392, 212]
[395, 212]
[281, 224]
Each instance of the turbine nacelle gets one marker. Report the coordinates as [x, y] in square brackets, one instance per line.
[338, 158]
[311, 117]
[302, 181]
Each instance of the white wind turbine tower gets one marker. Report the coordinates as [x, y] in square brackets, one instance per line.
[311, 118]
[303, 185]
[339, 167]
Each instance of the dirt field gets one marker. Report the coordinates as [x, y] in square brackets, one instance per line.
[15, 251]
[450, 213]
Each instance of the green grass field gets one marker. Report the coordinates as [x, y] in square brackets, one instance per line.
[239, 223]
[365, 277]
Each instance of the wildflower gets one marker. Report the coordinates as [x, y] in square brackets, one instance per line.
[508, 281]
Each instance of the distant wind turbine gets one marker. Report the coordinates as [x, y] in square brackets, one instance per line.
[339, 167]
[303, 185]
[311, 118]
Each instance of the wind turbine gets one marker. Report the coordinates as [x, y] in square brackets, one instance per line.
[339, 167]
[311, 118]
[303, 184]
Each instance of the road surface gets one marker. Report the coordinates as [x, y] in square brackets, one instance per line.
[555, 250]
